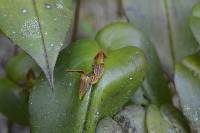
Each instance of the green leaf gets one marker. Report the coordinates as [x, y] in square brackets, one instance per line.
[174, 117]
[166, 24]
[12, 103]
[132, 119]
[117, 35]
[136, 119]
[108, 125]
[61, 110]
[187, 80]
[195, 22]
[38, 27]
[124, 73]
[18, 67]
[156, 123]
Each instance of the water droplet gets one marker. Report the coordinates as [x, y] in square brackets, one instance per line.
[24, 11]
[55, 19]
[31, 103]
[45, 33]
[46, 5]
[191, 112]
[70, 84]
[61, 44]
[97, 114]
[130, 78]
[59, 5]
[5, 15]
[52, 45]
[31, 29]
[13, 36]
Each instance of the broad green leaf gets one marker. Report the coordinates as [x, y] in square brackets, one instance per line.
[132, 119]
[124, 73]
[135, 119]
[18, 67]
[117, 35]
[12, 104]
[108, 125]
[61, 110]
[174, 117]
[166, 24]
[38, 27]
[156, 123]
[188, 88]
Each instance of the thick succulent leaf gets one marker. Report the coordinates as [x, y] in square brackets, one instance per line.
[18, 67]
[132, 119]
[117, 35]
[156, 123]
[38, 27]
[108, 125]
[188, 88]
[166, 24]
[61, 110]
[12, 103]
[174, 117]
[124, 73]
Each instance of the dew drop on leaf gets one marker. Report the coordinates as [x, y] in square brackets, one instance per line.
[70, 84]
[59, 5]
[13, 35]
[31, 29]
[46, 5]
[24, 11]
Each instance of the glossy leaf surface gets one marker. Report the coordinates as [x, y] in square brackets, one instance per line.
[174, 117]
[156, 123]
[138, 119]
[188, 88]
[124, 73]
[39, 28]
[61, 110]
[166, 24]
[117, 35]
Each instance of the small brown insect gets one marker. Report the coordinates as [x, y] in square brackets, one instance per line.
[88, 79]
[98, 67]
[85, 81]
